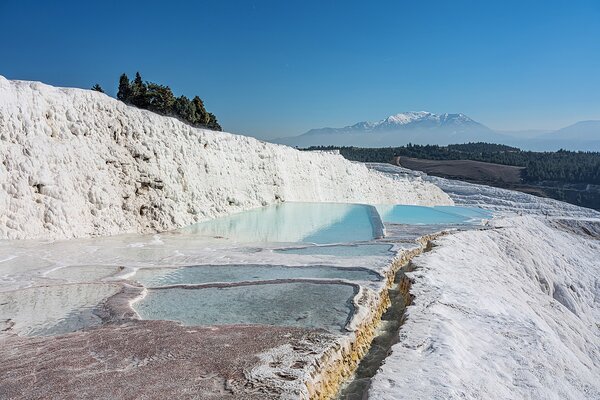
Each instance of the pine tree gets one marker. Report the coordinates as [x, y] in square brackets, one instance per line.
[139, 92]
[160, 99]
[124, 93]
[97, 88]
[213, 124]
[185, 110]
[201, 114]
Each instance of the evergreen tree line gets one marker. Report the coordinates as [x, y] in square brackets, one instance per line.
[161, 100]
[562, 165]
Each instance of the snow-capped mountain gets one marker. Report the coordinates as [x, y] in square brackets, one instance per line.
[407, 121]
[420, 127]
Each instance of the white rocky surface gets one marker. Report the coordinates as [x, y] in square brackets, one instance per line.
[501, 201]
[512, 312]
[508, 312]
[77, 163]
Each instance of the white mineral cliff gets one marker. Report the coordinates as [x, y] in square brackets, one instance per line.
[511, 312]
[78, 163]
[506, 313]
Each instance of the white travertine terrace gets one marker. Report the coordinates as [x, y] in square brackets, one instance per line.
[78, 163]
[510, 311]
[504, 313]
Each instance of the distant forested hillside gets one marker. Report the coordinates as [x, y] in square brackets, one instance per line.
[561, 166]
[161, 100]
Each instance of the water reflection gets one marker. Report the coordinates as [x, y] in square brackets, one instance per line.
[311, 305]
[240, 273]
[296, 222]
[418, 215]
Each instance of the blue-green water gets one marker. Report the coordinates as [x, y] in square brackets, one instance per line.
[440, 215]
[297, 222]
[469, 212]
[239, 273]
[309, 305]
[341, 250]
[339, 230]
[327, 223]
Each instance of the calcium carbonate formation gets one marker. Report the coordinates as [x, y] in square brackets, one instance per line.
[78, 163]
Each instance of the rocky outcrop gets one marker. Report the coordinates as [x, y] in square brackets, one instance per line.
[500, 313]
[325, 368]
[78, 163]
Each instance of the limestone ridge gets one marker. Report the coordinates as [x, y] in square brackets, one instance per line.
[77, 163]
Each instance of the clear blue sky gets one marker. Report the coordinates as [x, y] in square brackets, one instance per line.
[278, 68]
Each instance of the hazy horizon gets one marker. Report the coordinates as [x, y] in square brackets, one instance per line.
[517, 132]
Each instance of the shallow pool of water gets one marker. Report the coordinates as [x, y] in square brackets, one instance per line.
[83, 273]
[474, 213]
[297, 222]
[52, 310]
[239, 273]
[440, 215]
[310, 305]
[341, 250]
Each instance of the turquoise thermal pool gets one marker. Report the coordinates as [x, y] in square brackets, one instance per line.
[327, 223]
[297, 222]
[275, 294]
[301, 304]
[239, 273]
[358, 250]
[440, 215]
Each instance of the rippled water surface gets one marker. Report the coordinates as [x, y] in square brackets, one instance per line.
[51, 310]
[341, 250]
[62, 283]
[311, 305]
[240, 273]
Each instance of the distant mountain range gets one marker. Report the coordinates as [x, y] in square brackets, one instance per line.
[422, 127]
[413, 120]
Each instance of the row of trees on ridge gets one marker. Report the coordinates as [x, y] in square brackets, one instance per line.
[160, 99]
